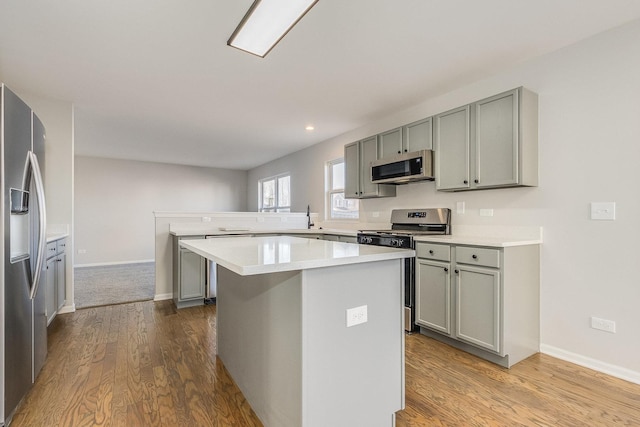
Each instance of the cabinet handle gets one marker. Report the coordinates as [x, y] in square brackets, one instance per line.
[474, 256]
[405, 150]
[431, 251]
[476, 181]
[465, 182]
[399, 151]
[446, 270]
[457, 271]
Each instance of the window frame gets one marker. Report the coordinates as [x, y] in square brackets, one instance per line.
[277, 206]
[330, 191]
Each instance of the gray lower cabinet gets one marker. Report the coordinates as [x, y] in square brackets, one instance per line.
[50, 289]
[55, 280]
[433, 295]
[490, 143]
[189, 275]
[61, 280]
[339, 238]
[306, 235]
[478, 297]
[357, 158]
[482, 300]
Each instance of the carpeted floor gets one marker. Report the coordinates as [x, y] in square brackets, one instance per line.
[114, 284]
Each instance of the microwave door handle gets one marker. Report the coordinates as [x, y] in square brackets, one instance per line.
[34, 168]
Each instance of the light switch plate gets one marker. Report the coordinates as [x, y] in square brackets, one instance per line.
[603, 211]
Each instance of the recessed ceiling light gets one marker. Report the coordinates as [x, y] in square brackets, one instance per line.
[266, 23]
[309, 127]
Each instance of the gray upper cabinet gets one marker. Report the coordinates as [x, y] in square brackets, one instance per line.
[418, 136]
[496, 121]
[358, 157]
[491, 143]
[452, 149]
[412, 137]
[390, 143]
[352, 170]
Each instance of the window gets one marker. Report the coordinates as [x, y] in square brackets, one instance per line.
[337, 206]
[275, 194]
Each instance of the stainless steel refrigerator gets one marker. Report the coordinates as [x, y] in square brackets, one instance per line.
[23, 323]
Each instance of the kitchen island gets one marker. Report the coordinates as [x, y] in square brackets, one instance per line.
[282, 315]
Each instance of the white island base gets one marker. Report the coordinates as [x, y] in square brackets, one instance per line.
[282, 336]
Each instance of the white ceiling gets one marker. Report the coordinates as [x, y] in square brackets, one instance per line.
[154, 80]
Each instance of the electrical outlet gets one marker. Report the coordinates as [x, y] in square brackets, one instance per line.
[603, 211]
[206, 219]
[460, 208]
[356, 315]
[486, 212]
[82, 251]
[603, 324]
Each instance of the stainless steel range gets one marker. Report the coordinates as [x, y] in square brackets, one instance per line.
[405, 224]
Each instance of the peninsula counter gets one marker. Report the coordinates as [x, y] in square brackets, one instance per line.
[282, 328]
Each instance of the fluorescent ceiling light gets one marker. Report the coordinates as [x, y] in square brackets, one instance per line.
[266, 23]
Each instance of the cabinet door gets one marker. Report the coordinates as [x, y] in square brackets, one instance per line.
[390, 143]
[496, 140]
[418, 136]
[478, 306]
[433, 295]
[331, 237]
[452, 149]
[50, 289]
[368, 154]
[351, 170]
[191, 275]
[61, 280]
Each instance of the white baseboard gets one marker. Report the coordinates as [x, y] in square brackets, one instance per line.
[162, 297]
[596, 365]
[104, 264]
[67, 309]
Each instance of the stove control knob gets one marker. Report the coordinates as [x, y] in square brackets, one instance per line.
[396, 243]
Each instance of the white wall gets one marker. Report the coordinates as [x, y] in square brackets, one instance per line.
[115, 201]
[589, 136]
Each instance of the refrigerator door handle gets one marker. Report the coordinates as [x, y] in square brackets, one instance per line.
[42, 218]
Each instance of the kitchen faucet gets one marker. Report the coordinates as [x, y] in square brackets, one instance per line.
[309, 223]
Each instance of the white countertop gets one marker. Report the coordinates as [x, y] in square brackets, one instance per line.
[258, 255]
[52, 237]
[491, 241]
[177, 230]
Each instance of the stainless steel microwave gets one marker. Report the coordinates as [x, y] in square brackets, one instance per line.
[407, 167]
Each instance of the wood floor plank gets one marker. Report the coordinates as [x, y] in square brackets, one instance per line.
[148, 364]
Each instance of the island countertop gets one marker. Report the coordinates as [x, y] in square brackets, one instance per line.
[258, 255]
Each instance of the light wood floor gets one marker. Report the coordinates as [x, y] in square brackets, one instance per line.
[146, 364]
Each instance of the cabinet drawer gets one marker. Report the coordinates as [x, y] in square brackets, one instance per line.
[433, 251]
[51, 249]
[478, 256]
[61, 246]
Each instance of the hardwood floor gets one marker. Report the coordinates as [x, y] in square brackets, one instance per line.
[139, 364]
[447, 387]
[146, 364]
